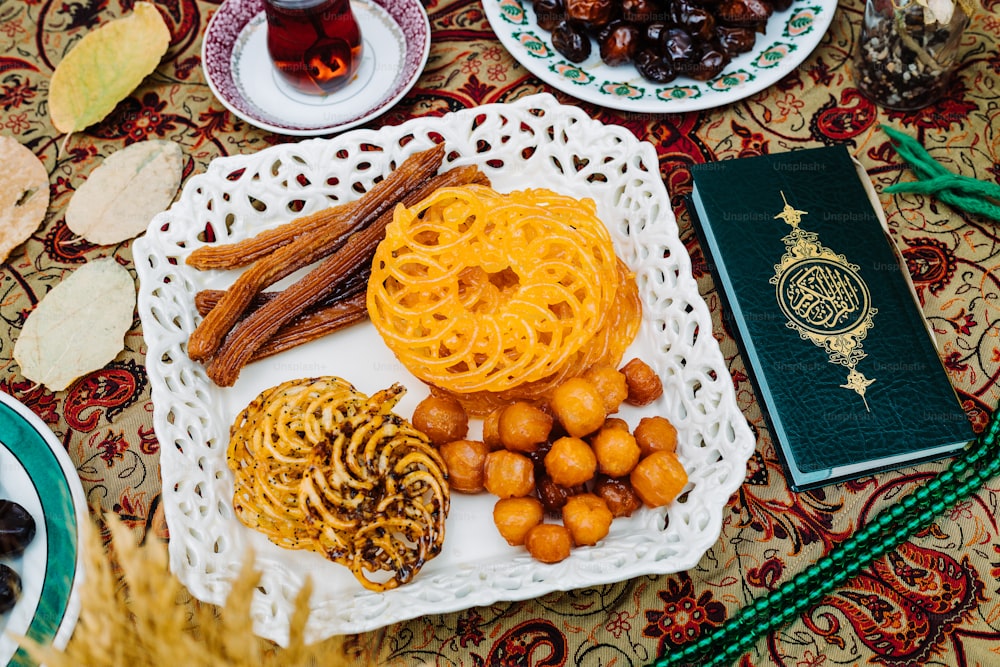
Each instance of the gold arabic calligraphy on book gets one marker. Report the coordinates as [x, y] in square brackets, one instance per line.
[824, 298]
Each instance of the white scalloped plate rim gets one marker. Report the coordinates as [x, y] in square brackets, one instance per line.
[191, 416]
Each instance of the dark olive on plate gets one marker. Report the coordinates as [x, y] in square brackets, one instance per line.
[17, 528]
[572, 41]
[10, 588]
[620, 44]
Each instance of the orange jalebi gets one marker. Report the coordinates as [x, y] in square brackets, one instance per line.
[321, 466]
[486, 296]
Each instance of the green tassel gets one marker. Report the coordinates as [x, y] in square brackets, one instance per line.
[961, 192]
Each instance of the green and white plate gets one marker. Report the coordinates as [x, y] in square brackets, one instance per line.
[36, 472]
[790, 37]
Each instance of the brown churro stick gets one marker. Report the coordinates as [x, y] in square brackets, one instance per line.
[243, 341]
[315, 324]
[206, 299]
[210, 332]
[341, 309]
[246, 252]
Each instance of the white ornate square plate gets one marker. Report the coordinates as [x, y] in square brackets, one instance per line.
[532, 142]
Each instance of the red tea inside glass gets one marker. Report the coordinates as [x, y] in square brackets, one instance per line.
[315, 44]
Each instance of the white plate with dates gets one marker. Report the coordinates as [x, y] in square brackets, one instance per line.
[790, 37]
[37, 473]
[532, 142]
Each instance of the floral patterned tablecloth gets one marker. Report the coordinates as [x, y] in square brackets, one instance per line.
[935, 600]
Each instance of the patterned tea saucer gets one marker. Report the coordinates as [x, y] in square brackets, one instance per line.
[240, 73]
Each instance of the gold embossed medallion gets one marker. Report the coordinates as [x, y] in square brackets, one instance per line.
[824, 298]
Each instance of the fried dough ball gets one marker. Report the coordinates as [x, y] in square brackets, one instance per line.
[658, 478]
[587, 518]
[465, 460]
[570, 462]
[615, 422]
[610, 384]
[441, 418]
[491, 429]
[616, 450]
[578, 406]
[654, 434]
[523, 427]
[508, 474]
[644, 386]
[549, 542]
[514, 517]
[619, 495]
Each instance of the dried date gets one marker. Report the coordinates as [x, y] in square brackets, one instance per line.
[735, 40]
[654, 66]
[713, 60]
[695, 20]
[620, 44]
[641, 11]
[680, 46]
[593, 13]
[549, 13]
[652, 34]
[572, 41]
[663, 39]
[744, 13]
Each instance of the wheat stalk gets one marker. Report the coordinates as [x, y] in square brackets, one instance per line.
[136, 613]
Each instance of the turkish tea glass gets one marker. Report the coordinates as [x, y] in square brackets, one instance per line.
[314, 44]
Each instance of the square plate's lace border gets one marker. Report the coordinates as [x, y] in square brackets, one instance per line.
[532, 142]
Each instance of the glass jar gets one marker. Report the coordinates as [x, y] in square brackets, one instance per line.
[908, 51]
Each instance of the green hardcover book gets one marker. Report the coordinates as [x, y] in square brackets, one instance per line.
[842, 360]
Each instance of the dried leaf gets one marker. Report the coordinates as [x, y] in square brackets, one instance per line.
[79, 326]
[24, 194]
[105, 66]
[122, 195]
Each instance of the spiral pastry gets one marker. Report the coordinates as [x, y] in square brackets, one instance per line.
[479, 293]
[321, 466]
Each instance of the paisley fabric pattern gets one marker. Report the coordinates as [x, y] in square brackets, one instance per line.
[935, 600]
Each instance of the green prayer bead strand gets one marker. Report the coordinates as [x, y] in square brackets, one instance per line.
[919, 508]
[739, 645]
